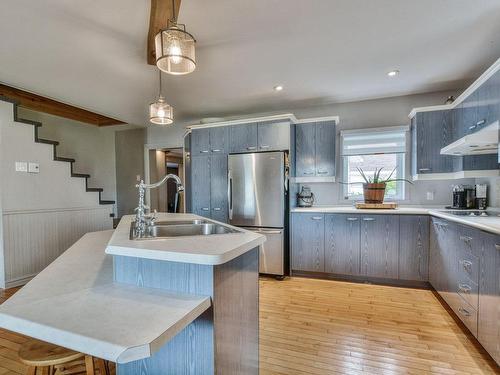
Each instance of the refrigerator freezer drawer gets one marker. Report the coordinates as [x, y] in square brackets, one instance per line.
[271, 252]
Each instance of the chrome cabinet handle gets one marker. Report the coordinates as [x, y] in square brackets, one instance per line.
[216, 208]
[497, 246]
[216, 150]
[472, 127]
[466, 239]
[308, 173]
[322, 172]
[352, 219]
[424, 169]
[230, 194]
[317, 218]
[251, 148]
[265, 146]
[204, 152]
[481, 122]
[467, 265]
[463, 311]
[368, 219]
[464, 288]
[205, 209]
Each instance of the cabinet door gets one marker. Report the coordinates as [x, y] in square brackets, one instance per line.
[434, 131]
[200, 142]
[489, 296]
[325, 149]
[219, 140]
[414, 247]
[470, 113]
[243, 138]
[218, 187]
[457, 122]
[308, 242]
[379, 246]
[200, 174]
[305, 150]
[274, 136]
[480, 162]
[342, 244]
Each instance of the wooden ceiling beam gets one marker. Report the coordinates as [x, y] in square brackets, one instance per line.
[161, 12]
[39, 103]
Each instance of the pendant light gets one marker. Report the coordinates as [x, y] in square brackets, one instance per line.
[160, 112]
[174, 47]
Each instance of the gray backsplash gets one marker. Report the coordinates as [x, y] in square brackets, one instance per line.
[416, 194]
[493, 190]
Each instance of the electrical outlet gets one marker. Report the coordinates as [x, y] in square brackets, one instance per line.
[430, 195]
[21, 166]
[34, 168]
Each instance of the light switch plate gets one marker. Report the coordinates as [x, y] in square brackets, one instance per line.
[34, 168]
[21, 166]
[430, 195]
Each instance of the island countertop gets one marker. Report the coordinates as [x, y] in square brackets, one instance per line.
[213, 249]
[75, 303]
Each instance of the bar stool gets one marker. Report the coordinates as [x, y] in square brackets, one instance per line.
[51, 359]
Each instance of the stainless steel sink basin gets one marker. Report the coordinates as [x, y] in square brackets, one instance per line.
[182, 228]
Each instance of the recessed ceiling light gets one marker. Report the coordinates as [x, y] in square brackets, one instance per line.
[393, 73]
[278, 88]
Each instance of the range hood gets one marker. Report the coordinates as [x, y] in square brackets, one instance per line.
[484, 141]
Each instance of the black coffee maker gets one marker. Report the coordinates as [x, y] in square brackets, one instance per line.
[464, 197]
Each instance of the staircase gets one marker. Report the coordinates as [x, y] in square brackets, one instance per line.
[38, 125]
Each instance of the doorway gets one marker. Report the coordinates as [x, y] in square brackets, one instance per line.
[162, 162]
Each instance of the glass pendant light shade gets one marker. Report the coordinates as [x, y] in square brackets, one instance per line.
[160, 112]
[175, 50]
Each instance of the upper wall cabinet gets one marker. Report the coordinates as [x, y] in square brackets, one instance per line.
[431, 131]
[209, 141]
[315, 151]
[261, 136]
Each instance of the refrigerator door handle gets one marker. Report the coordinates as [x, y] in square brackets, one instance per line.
[267, 231]
[230, 193]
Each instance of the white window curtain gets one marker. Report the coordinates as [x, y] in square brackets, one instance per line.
[391, 140]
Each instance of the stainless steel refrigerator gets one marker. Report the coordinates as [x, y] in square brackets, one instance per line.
[256, 193]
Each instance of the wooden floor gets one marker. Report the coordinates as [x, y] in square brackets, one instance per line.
[327, 327]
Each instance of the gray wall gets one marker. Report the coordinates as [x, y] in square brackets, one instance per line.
[129, 148]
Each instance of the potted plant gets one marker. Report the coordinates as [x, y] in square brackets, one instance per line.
[374, 187]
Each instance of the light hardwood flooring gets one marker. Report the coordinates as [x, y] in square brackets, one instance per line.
[312, 326]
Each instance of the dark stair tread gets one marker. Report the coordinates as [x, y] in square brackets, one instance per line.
[83, 175]
[95, 189]
[47, 141]
[60, 158]
[106, 202]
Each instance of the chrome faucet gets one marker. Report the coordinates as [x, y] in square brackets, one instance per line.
[141, 219]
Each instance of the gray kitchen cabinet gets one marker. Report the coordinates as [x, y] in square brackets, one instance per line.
[273, 135]
[243, 138]
[209, 186]
[342, 244]
[380, 246]
[432, 131]
[315, 149]
[489, 296]
[414, 247]
[218, 188]
[200, 177]
[308, 242]
[480, 162]
[209, 141]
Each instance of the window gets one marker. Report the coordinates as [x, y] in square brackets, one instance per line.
[370, 149]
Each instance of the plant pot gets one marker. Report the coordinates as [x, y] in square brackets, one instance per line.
[374, 193]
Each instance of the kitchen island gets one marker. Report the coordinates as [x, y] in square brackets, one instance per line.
[194, 313]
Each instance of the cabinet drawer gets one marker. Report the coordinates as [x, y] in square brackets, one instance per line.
[468, 290]
[468, 266]
[466, 313]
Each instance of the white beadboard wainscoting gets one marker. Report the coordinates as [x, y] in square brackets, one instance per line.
[33, 239]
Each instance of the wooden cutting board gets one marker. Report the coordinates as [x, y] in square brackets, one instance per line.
[377, 206]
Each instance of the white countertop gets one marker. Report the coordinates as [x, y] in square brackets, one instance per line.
[210, 250]
[489, 224]
[74, 303]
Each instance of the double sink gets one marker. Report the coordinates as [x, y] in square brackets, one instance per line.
[181, 228]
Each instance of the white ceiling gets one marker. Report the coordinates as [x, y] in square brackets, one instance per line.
[91, 53]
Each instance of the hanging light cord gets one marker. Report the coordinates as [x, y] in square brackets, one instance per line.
[159, 91]
[174, 18]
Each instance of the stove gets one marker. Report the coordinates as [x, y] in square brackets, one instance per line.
[475, 213]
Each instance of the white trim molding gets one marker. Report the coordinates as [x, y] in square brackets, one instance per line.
[287, 116]
[318, 119]
[478, 82]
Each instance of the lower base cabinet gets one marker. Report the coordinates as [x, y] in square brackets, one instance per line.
[342, 244]
[414, 247]
[308, 242]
